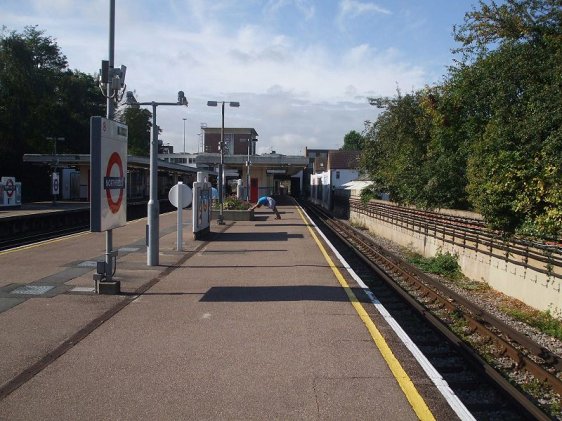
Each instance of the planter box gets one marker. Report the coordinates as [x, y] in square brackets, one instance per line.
[234, 215]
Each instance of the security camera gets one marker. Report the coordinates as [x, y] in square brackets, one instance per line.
[122, 75]
[131, 100]
[182, 100]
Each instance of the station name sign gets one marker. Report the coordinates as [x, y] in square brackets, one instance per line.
[108, 159]
[274, 171]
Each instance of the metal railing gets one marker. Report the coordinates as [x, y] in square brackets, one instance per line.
[468, 233]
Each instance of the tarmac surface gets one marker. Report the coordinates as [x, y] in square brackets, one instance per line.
[250, 323]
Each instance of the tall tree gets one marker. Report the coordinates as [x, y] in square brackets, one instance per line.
[40, 98]
[352, 141]
[139, 124]
[395, 147]
[515, 165]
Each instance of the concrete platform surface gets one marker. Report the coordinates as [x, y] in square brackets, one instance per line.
[248, 324]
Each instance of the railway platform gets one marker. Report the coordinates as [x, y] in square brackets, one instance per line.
[258, 321]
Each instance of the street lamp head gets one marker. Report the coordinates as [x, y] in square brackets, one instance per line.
[234, 104]
[182, 100]
[212, 103]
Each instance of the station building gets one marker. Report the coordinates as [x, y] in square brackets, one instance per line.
[245, 172]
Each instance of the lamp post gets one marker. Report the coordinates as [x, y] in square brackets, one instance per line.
[251, 150]
[220, 220]
[184, 134]
[153, 207]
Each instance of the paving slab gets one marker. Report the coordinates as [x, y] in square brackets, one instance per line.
[250, 325]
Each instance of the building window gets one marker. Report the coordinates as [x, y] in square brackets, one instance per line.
[337, 175]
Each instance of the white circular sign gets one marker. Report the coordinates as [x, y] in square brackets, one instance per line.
[186, 195]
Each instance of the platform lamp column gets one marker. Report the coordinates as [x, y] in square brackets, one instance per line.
[251, 151]
[220, 219]
[184, 134]
[153, 207]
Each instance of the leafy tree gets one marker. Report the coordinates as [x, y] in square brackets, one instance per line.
[516, 21]
[352, 141]
[139, 124]
[30, 71]
[39, 98]
[489, 137]
[395, 147]
[514, 169]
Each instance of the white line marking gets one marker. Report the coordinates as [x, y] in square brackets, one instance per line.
[441, 384]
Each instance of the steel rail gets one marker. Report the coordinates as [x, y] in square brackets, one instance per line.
[384, 266]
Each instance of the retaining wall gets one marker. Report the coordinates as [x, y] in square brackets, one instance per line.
[538, 290]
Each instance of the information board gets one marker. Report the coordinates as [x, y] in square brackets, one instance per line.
[201, 210]
[108, 163]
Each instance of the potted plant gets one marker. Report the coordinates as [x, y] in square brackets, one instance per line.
[234, 209]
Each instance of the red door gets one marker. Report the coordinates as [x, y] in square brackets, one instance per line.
[253, 190]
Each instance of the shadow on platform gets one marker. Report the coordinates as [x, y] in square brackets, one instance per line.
[281, 293]
[285, 225]
[256, 236]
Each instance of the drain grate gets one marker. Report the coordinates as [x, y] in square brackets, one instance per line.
[32, 289]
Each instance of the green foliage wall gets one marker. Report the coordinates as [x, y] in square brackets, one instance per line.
[41, 97]
[489, 138]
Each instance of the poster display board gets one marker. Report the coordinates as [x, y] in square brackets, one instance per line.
[108, 161]
[10, 192]
[201, 211]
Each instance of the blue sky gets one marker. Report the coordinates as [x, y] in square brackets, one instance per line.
[302, 70]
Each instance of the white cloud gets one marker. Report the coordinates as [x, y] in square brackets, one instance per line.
[294, 94]
[354, 8]
[305, 7]
[351, 9]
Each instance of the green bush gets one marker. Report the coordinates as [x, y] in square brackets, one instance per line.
[444, 264]
[542, 320]
[233, 203]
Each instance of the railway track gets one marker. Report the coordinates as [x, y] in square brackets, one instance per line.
[490, 366]
[26, 239]
[29, 229]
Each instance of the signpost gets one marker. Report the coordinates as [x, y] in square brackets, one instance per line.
[108, 204]
[55, 186]
[180, 196]
[10, 192]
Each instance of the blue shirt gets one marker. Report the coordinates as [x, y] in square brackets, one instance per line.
[263, 201]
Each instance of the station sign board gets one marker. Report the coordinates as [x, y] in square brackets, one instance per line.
[201, 210]
[108, 163]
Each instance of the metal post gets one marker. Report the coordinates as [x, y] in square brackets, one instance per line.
[110, 113]
[248, 173]
[179, 236]
[220, 220]
[184, 134]
[153, 207]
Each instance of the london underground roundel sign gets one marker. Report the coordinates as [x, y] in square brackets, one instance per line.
[108, 198]
[114, 184]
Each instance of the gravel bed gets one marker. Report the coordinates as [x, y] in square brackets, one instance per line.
[488, 299]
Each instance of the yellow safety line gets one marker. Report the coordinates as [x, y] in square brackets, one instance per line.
[418, 404]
